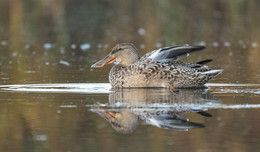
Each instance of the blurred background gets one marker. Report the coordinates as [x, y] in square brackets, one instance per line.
[56, 41]
[43, 41]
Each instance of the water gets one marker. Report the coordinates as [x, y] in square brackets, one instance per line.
[74, 115]
[51, 100]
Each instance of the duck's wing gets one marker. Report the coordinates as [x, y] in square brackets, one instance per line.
[203, 62]
[171, 121]
[170, 53]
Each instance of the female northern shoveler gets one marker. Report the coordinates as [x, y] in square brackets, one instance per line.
[158, 68]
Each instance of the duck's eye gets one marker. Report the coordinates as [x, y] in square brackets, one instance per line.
[119, 49]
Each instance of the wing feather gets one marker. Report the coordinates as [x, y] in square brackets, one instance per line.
[170, 53]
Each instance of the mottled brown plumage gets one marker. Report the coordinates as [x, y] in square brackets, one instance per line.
[158, 68]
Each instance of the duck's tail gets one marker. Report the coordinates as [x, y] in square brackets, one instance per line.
[213, 73]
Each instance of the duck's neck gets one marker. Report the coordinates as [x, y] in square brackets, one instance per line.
[116, 75]
[117, 68]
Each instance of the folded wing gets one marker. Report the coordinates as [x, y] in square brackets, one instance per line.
[171, 121]
[170, 53]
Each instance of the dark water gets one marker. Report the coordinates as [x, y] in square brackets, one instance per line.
[51, 100]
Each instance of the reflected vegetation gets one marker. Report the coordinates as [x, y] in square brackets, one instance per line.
[158, 107]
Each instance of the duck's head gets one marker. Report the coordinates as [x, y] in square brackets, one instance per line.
[124, 54]
[123, 122]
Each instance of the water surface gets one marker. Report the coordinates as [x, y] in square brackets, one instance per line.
[51, 100]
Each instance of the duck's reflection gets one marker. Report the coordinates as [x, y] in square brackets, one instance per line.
[157, 107]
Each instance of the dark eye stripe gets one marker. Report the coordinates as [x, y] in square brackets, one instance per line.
[119, 49]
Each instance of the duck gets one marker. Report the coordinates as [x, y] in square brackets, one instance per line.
[126, 108]
[159, 68]
[127, 121]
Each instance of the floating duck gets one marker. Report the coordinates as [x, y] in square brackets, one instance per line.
[159, 68]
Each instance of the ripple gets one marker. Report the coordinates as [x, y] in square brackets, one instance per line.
[3, 43]
[59, 88]
[47, 46]
[85, 46]
[254, 44]
[105, 88]
[64, 63]
[231, 85]
[68, 106]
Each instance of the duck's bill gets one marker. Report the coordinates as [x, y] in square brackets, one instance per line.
[108, 115]
[105, 61]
